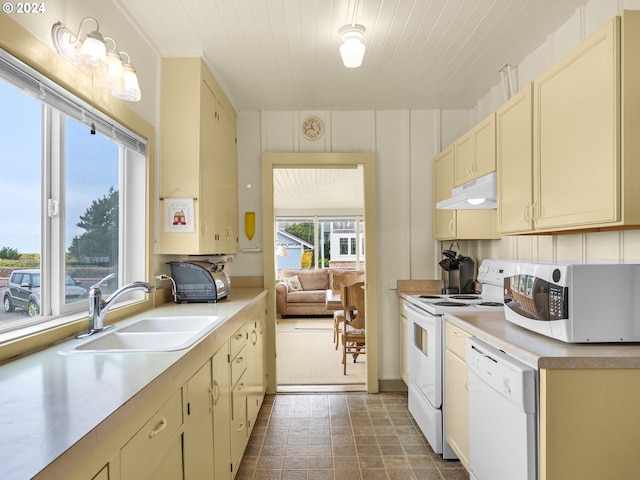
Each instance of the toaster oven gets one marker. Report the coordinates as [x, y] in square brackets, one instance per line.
[199, 282]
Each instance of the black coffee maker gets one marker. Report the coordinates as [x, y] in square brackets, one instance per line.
[460, 271]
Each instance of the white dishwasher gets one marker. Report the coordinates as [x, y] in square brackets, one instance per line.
[502, 415]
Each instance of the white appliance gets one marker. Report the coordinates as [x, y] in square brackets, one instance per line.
[426, 348]
[502, 415]
[478, 194]
[575, 303]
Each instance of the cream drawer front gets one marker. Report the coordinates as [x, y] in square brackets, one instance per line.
[239, 398]
[456, 340]
[150, 441]
[238, 340]
[238, 365]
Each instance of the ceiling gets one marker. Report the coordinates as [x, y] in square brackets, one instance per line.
[283, 54]
[319, 191]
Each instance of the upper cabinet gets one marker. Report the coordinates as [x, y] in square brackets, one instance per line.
[567, 146]
[198, 161]
[475, 152]
[457, 224]
[514, 131]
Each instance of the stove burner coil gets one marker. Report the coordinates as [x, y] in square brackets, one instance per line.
[491, 304]
[429, 296]
[465, 297]
[451, 304]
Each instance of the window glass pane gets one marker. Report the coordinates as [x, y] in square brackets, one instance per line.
[353, 246]
[20, 187]
[92, 165]
[344, 246]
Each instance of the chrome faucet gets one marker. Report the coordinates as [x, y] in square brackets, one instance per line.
[98, 307]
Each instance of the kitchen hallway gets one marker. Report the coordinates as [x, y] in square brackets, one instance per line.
[352, 436]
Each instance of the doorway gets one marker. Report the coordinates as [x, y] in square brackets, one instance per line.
[328, 161]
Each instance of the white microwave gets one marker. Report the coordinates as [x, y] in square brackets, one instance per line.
[575, 303]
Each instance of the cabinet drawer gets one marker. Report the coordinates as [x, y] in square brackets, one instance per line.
[239, 398]
[150, 441]
[238, 365]
[456, 340]
[238, 340]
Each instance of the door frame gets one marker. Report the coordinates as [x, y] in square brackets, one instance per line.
[271, 160]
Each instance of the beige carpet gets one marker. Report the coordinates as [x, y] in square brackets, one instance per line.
[313, 323]
[309, 357]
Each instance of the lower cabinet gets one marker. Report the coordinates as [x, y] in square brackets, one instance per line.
[198, 426]
[156, 450]
[457, 393]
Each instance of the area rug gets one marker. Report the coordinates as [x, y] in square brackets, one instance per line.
[314, 323]
[309, 357]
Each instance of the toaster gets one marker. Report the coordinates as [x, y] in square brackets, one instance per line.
[199, 282]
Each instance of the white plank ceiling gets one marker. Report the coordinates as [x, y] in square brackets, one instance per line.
[283, 54]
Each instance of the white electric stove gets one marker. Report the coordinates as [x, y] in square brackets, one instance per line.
[426, 347]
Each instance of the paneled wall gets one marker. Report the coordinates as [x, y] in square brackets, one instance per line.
[588, 247]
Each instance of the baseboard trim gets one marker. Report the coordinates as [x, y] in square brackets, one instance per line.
[393, 385]
[355, 387]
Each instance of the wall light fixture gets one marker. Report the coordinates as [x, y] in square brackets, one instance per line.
[91, 56]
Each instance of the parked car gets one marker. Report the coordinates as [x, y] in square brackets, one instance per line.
[23, 291]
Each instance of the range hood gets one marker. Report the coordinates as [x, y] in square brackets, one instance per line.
[478, 194]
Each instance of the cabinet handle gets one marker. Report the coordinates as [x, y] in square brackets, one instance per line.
[238, 336]
[466, 383]
[159, 428]
[254, 337]
[526, 212]
[240, 386]
[216, 388]
[451, 227]
[241, 427]
[211, 400]
[239, 360]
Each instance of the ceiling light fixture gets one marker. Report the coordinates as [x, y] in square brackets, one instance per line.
[92, 57]
[352, 48]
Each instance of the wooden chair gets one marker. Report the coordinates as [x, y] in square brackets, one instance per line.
[341, 280]
[353, 335]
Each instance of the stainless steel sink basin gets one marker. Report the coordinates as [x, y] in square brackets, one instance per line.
[152, 334]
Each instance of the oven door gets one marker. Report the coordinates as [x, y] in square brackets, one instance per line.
[424, 353]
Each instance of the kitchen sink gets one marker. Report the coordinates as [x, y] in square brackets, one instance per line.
[151, 334]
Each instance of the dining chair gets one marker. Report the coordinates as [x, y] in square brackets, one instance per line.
[353, 334]
[340, 280]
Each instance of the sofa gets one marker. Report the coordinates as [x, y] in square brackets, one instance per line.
[303, 292]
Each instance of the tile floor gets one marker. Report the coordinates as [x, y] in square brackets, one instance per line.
[342, 436]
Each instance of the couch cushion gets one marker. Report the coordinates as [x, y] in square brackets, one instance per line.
[312, 296]
[310, 279]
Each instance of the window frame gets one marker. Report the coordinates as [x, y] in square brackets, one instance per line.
[71, 318]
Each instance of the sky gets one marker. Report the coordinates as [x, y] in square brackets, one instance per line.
[92, 167]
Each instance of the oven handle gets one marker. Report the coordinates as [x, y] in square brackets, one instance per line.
[421, 314]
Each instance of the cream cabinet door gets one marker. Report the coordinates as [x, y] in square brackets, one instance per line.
[444, 227]
[484, 135]
[221, 414]
[576, 149]
[198, 425]
[457, 407]
[475, 152]
[514, 130]
[464, 152]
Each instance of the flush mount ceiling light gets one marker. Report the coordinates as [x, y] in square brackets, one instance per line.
[352, 48]
[91, 56]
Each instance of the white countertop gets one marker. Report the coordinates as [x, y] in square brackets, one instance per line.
[50, 401]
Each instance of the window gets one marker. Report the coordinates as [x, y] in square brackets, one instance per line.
[336, 239]
[73, 187]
